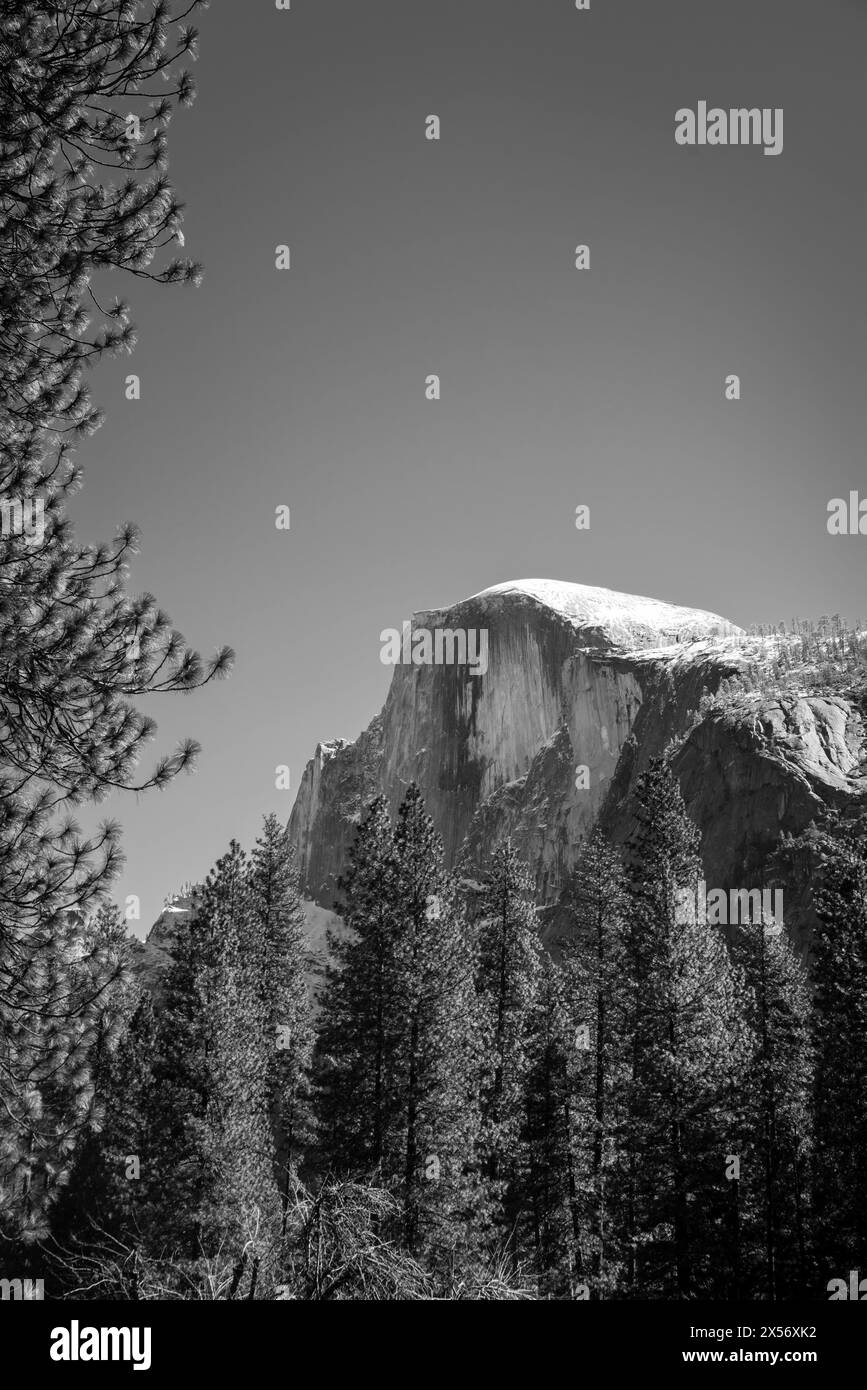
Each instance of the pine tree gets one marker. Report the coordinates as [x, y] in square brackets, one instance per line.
[214, 1146]
[83, 189]
[399, 1042]
[358, 1031]
[834, 855]
[277, 923]
[213, 1099]
[548, 1189]
[79, 195]
[435, 1140]
[113, 1183]
[775, 1093]
[185, 1075]
[690, 1045]
[60, 1015]
[509, 953]
[239, 1112]
[601, 1011]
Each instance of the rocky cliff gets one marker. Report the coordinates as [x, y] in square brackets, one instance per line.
[153, 956]
[583, 678]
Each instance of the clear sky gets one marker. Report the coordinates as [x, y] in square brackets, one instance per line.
[559, 387]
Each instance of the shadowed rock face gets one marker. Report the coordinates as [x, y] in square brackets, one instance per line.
[747, 780]
[579, 676]
[153, 956]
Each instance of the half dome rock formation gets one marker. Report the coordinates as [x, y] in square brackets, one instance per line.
[583, 686]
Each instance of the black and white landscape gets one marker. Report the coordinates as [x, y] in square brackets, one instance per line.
[550, 984]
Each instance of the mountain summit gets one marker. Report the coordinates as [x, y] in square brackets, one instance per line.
[619, 619]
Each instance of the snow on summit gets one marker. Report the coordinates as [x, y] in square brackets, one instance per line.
[622, 618]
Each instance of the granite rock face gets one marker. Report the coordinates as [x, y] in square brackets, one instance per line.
[580, 677]
[153, 956]
[747, 780]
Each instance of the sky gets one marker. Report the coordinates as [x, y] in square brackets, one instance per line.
[560, 387]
